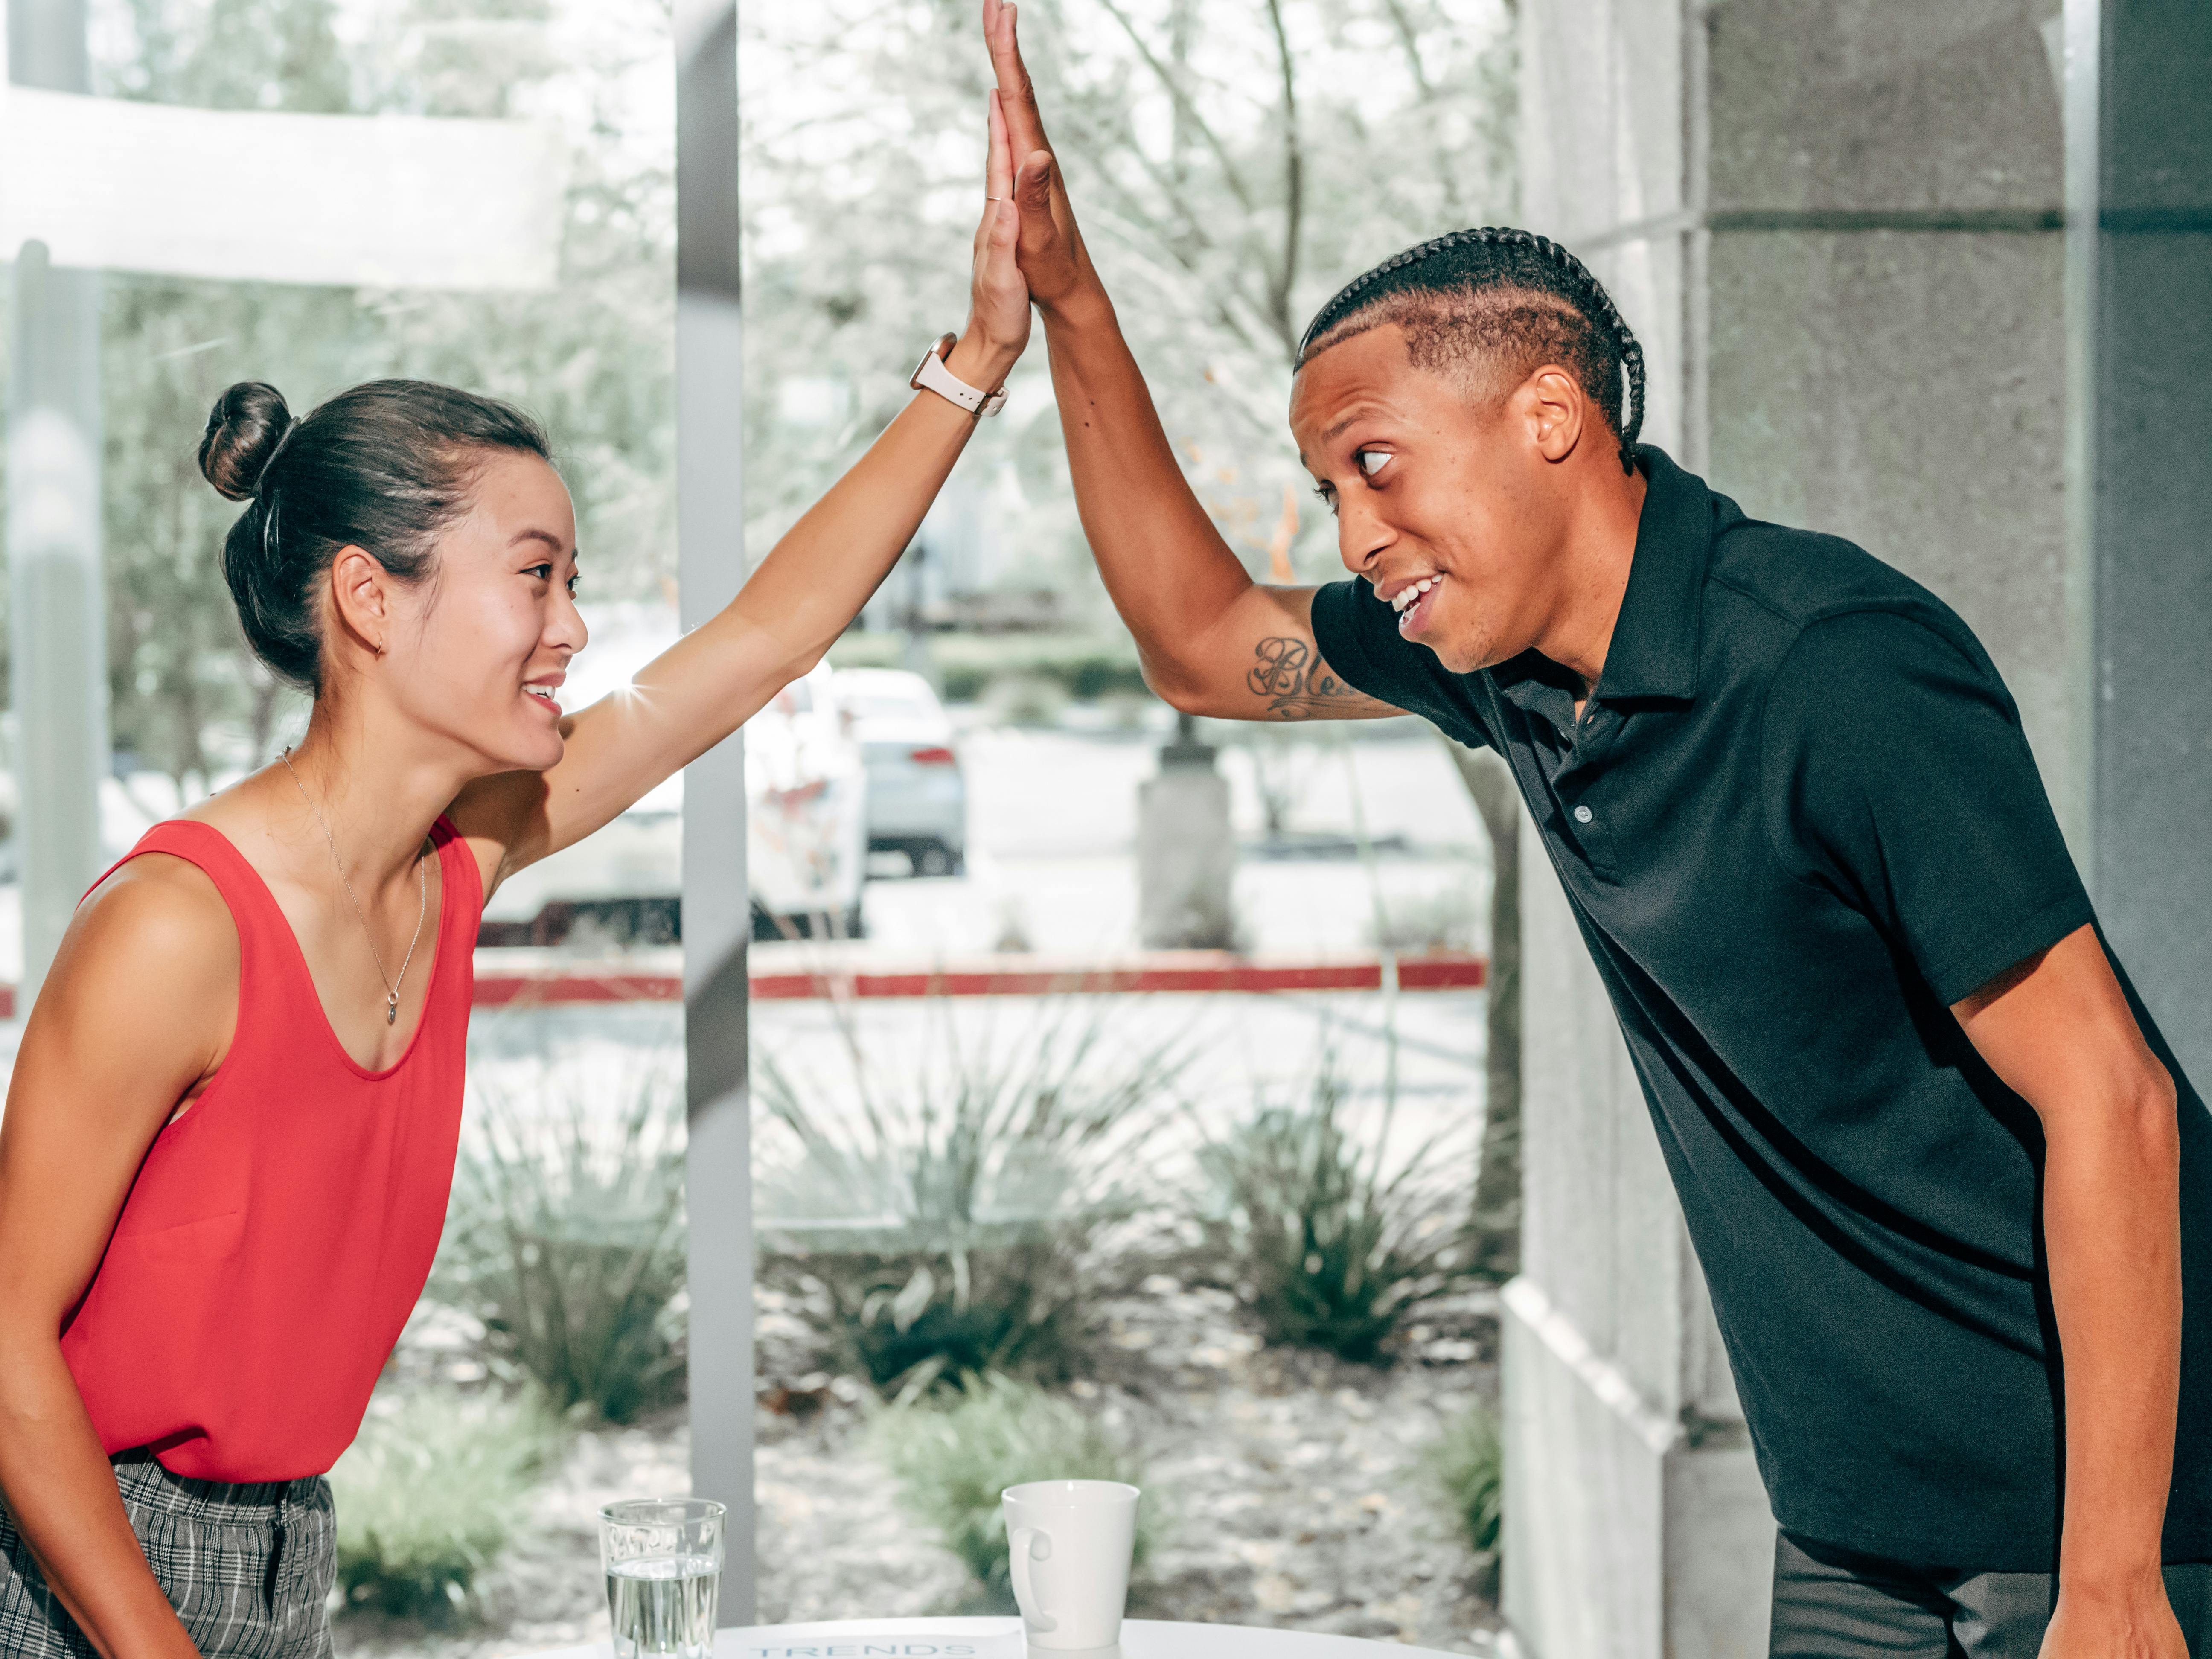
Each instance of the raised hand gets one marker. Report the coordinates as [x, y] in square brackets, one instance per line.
[1051, 251]
[999, 298]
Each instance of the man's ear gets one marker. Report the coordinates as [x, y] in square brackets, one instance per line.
[1553, 406]
[362, 596]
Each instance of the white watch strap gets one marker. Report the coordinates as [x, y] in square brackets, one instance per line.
[932, 375]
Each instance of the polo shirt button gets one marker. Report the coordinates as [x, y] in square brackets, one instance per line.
[1583, 815]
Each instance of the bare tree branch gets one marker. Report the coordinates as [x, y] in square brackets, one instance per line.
[1294, 190]
[1409, 38]
[1184, 103]
[1171, 192]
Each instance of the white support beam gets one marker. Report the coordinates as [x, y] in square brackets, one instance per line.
[717, 924]
[377, 201]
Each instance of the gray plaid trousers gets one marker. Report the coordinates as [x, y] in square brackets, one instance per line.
[248, 1569]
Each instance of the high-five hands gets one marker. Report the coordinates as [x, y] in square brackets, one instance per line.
[998, 299]
[1052, 255]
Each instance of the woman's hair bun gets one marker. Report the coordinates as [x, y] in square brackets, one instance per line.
[244, 431]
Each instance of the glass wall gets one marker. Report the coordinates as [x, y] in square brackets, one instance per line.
[1043, 1188]
[1217, 1239]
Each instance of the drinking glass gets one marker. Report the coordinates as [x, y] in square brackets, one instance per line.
[663, 1558]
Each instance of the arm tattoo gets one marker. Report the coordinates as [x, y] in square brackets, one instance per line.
[1298, 686]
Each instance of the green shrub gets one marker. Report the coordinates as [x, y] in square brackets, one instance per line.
[1329, 1244]
[966, 682]
[958, 1218]
[1025, 699]
[429, 1494]
[953, 1458]
[1466, 1465]
[566, 1237]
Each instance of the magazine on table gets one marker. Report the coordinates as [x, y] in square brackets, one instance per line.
[887, 1644]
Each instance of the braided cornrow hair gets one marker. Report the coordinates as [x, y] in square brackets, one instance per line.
[1467, 263]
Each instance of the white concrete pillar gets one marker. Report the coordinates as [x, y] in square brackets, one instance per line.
[2139, 233]
[1636, 1527]
[1186, 852]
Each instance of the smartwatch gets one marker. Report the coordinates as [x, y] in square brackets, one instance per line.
[931, 374]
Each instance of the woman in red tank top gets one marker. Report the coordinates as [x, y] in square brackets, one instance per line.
[231, 1129]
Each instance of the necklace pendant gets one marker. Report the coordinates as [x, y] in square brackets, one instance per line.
[392, 1011]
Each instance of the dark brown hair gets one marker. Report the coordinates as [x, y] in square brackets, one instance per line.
[384, 467]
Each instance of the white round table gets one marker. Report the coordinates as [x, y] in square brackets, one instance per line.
[989, 1638]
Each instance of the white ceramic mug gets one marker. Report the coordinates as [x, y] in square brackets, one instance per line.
[1068, 1544]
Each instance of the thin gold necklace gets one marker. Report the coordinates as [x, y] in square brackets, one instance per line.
[422, 901]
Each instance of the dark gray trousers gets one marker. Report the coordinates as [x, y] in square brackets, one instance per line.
[248, 1568]
[1831, 1603]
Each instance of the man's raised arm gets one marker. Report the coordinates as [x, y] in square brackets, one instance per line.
[1212, 641]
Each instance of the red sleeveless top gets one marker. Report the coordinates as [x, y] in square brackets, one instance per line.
[279, 1232]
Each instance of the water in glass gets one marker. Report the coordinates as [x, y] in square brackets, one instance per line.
[664, 1605]
[663, 1559]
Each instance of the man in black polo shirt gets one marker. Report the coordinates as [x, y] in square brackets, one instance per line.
[1948, 1185]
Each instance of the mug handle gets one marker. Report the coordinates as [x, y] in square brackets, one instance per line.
[1018, 1548]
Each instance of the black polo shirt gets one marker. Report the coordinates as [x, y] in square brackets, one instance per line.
[1798, 820]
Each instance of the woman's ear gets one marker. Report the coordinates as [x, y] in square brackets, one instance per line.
[361, 595]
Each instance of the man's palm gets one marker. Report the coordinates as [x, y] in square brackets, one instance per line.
[1051, 249]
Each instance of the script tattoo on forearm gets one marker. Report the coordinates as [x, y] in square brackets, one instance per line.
[1290, 676]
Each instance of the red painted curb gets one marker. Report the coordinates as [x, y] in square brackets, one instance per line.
[568, 984]
[1431, 972]
[496, 990]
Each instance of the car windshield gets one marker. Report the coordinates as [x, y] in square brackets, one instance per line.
[877, 707]
[889, 697]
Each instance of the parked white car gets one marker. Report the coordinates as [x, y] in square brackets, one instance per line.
[805, 818]
[917, 794]
[806, 807]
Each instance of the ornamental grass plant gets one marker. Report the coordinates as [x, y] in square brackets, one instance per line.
[430, 1493]
[565, 1237]
[1332, 1236]
[1466, 1466]
[958, 1212]
[952, 1455]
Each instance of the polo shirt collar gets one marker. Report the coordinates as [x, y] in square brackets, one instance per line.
[1655, 646]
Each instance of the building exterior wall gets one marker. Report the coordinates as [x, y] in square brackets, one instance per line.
[1837, 231]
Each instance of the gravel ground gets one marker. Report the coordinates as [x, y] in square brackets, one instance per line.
[1291, 1483]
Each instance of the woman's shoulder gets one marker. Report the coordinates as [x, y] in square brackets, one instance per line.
[161, 905]
[152, 951]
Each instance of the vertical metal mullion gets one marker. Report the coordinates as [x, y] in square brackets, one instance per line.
[710, 533]
[59, 611]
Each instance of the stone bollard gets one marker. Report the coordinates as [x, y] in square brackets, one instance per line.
[1186, 851]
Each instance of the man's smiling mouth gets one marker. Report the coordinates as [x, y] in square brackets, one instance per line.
[1412, 602]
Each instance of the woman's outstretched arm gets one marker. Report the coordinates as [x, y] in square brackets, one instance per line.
[805, 593]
